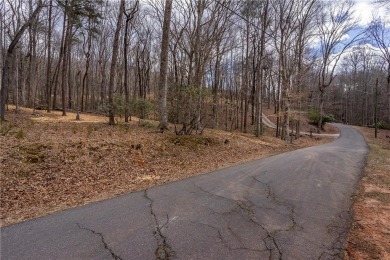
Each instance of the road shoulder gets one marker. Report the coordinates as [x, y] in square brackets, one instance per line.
[369, 235]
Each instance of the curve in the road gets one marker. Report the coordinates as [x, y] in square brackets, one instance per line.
[268, 123]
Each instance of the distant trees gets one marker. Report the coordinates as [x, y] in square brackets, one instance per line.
[223, 63]
[334, 23]
[379, 32]
[360, 92]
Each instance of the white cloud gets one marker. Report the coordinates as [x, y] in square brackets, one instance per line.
[365, 10]
[345, 37]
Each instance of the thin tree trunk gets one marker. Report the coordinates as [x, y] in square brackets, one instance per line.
[259, 110]
[321, 112]
[85, 76]
[69, 79]
[64, 76]
[217, 75]
[48, 69]
[55, 83]
[246, 105]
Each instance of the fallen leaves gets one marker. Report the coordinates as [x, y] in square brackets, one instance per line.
[60, 163]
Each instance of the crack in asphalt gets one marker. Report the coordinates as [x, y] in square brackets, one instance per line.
[249, 213]
[288, 205]
[163, 250]
[224, 242]
[114, 256]
[270, 235]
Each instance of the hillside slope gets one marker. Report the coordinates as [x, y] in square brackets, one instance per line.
[50, 163]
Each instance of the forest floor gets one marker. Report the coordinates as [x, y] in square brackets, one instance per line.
[369, 237]
[50, 162]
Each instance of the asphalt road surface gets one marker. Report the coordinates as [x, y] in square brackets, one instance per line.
[291, 206]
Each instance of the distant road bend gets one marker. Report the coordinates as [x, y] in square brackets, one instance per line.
[294, 205]
[269, 124]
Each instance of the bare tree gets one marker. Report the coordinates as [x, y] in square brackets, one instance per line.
[265, 23]
[49, 59]
[129, 17]
[334, 23]
[305, 32]
[380, 34]
[9, 56]
[222, 60]
[385, 3]
[114, 58]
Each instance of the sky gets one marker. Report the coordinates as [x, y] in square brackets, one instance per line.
[364, 10]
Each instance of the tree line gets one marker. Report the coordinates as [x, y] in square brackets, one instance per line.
[196, 63]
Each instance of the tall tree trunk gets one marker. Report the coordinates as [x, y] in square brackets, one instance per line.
[114, 58]
[254, 78]
[34, 67]
[85, 82]
[217, 75]
[64, 70]
[164, 66]
[259, 96]
[278, 107]
[70, 78]
[60, 60]
[246, 84]
[198, 76]
[31, 61]
[126, 76]
[17, 70]
[48, 68]
[55, 82]
[388, 92]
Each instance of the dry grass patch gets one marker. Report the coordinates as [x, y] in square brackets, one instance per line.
[369, 237]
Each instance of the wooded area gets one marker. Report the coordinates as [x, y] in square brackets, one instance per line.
[196, 63]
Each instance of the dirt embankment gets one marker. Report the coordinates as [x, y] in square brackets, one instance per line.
[49, 162]
[369, 237]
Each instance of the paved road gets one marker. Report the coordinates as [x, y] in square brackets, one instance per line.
[290, 206]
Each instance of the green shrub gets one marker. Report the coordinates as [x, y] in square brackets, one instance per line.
[31, 123]
[383, 125]
[328, 118]
[20, 134]
[34, 152]
[145, 123]
[263, 129]
[143, 108]
[184, 107]
[119, 107]
[5, 128]
[75, 128]
[90, 129]
[123, 126]
[140, 108]
[314, 117]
